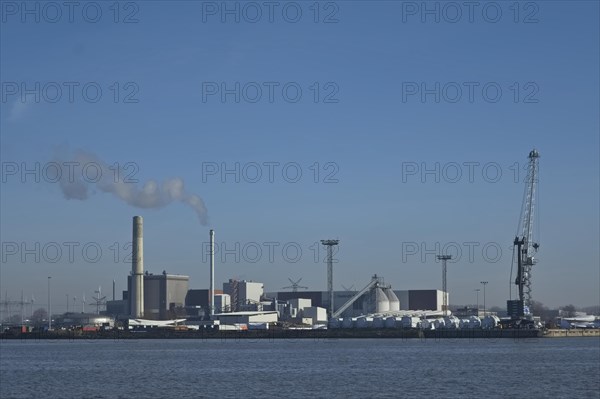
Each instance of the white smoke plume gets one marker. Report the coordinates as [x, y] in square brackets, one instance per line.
[85, 172]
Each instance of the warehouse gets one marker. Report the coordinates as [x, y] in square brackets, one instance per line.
[247, 317]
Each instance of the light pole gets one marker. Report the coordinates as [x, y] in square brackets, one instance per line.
[477, 290]
[49, 311]
[67, 302]
[484, 284]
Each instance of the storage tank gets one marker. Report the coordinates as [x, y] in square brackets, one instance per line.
[475, 322]
[334, 323]
[381, 301]
[426, 324]
[348, 322]
[364, 322]
[452, 322]
[490, 321]
[390, 322]
[439, 323]
[409, 322]
[394, 302]
[378, 322]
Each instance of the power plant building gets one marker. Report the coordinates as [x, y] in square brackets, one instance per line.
[164, 295]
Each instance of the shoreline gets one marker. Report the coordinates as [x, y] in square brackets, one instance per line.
[279, 334]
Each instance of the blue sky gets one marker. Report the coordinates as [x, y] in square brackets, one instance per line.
[366, 61]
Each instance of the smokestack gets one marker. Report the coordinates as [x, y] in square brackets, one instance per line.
[212, 273]
[114, 289]
[136, 298]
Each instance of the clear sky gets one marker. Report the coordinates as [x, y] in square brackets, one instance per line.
[361, 96]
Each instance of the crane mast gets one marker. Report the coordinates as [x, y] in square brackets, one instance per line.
[526, 247]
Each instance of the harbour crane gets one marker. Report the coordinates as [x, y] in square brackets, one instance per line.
[295, 285]
[524, 243]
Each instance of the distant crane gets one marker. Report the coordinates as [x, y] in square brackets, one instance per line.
[295, 285]
[524, 243]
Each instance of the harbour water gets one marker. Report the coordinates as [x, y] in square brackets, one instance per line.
[386, 368]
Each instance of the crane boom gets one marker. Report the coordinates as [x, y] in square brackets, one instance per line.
[375, 282]
[526, 246]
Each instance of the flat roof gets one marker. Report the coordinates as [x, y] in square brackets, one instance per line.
[245, 313]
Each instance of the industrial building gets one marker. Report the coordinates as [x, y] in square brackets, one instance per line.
[421, 299]
[244, 295]
[149, 296]
[167, 296]
[197, 302]
[315, 315]
[164, 295]
[247, 317]
[386, 300]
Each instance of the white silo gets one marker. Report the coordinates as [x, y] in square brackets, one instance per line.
[382, 304]
[394, 302]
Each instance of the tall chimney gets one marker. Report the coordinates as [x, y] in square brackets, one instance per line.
[212, 273]
[136, 298]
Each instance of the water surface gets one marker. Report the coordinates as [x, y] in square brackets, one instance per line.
[385, 368]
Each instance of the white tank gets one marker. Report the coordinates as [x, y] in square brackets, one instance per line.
[439, 323]
[381, 301]
[409, 322]
[426, 324]
[378, 322]
[475, 322]
[393, 300]
[490, 321]
[452, 322]
[348, 322]
[390, 322]
[364, 322]
[334, 323]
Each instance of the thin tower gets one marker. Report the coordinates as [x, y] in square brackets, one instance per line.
[136, 297]
[444, 258]
[212, 273]
[330, 244]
